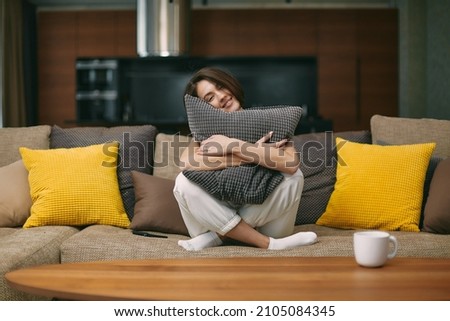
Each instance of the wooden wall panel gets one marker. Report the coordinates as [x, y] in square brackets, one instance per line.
[337, 64]
[213, 33]
[356, 52]
[96, 32]
[56, 67]
[126, 36]
[378, 56]
[256, 35]
[297, 32]
[64, 36]
[252, 32]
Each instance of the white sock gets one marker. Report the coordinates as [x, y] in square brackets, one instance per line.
[202, 241]
[295, 240]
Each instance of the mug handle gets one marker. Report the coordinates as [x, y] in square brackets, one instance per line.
[393, 240]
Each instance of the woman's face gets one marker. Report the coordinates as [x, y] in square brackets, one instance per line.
[220, 98]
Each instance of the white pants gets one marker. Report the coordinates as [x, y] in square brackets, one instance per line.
[275, 217]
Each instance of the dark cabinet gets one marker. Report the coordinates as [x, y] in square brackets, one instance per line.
[65, 36]
[356, 52]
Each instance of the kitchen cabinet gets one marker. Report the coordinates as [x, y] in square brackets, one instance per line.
[64, 36]
[356, 51]
[56, 67]
[358, 68]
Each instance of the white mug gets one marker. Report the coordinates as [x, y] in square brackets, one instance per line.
[372, 248]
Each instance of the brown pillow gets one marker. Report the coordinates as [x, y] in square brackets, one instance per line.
[156, 208]
[437, 207]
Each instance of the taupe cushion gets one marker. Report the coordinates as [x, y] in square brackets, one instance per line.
[247, 184]
[400, 131]
[437, 207]
[15, 199]
[135, 150]
[11, 138]
[168, 150]
[318, 159]
[156, 208]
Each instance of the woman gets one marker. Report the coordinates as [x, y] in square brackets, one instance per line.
[210, 221]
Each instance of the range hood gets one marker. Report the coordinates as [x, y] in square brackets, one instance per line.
[163, 27]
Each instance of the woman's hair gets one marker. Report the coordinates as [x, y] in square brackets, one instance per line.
[218, 77]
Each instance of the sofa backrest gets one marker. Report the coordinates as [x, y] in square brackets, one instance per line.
[11, 138]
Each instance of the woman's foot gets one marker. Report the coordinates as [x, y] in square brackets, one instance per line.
[200, 242]
[295, 240]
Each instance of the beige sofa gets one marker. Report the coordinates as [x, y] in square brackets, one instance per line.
[23, 247]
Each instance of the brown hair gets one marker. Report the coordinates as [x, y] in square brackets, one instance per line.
[218, 77]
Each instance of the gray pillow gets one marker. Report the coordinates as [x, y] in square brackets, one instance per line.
[249, 124]
[248, 184]
[135, 151]
[318, 159]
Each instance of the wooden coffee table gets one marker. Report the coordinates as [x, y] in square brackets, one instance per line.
[220, 279]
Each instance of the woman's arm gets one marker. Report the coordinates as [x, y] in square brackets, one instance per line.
[283, 159]
[193, 158]
[218, 152]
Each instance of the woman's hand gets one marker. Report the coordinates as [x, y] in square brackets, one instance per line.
[219, 151]
[218, 145]
[266, 138]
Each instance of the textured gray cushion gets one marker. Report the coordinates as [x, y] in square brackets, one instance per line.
[248, 125]
[135, 151]
[318, 159]
[247, 184]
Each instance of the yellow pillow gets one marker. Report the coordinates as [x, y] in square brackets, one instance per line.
[74, 186]
[378, 187]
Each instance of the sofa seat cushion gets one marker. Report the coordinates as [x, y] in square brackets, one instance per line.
[99, 242]
[22, 248]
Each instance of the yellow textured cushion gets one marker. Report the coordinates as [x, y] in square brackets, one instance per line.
[74, 186]
[378, 187]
